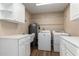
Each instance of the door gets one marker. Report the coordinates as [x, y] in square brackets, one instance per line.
[24, 46]
[27, 49]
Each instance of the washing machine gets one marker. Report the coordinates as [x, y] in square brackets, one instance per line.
[44, 40]
[56, 40]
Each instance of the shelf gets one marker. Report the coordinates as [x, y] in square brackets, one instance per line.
[5, 14]
[6, 6]
[9, 11]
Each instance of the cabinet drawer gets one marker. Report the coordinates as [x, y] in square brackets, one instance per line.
[71, 48]
[68, 53]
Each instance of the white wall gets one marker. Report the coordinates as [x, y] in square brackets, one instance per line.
[50, 21]
[71, 27]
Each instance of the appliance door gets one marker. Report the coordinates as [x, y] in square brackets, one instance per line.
[44, 41]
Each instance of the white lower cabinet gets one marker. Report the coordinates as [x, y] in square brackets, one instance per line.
[24, 48]
[15, 47]
[68, 49]
[27, 50]
[62, 48]
[8, 47]
[68, 53]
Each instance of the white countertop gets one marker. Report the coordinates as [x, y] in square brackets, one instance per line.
[14, 36]
[72, 39]
[59, 33]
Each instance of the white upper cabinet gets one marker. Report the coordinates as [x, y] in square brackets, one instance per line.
[6, 6]
[12, 12]
[74, 11]
[6, 11]
[19, 12]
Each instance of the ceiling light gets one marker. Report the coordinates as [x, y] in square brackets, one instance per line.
[39, 4]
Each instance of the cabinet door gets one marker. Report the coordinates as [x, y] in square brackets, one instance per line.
[74, 11]
[8, 47]
[27, 51]
[24, 47]
[62, 47]
[22, 50]
[56, 43]
[68, 53]
[19, 12]
[12, 12]
[6, 11]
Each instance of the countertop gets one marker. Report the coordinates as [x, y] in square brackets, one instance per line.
[72, 39]
[59, 33]
[19, 36]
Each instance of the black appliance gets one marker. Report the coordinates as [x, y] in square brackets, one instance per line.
[34, 28]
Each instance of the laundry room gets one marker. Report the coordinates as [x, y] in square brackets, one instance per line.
[39, 29]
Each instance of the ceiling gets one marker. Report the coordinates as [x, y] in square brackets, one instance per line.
[56, 7]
